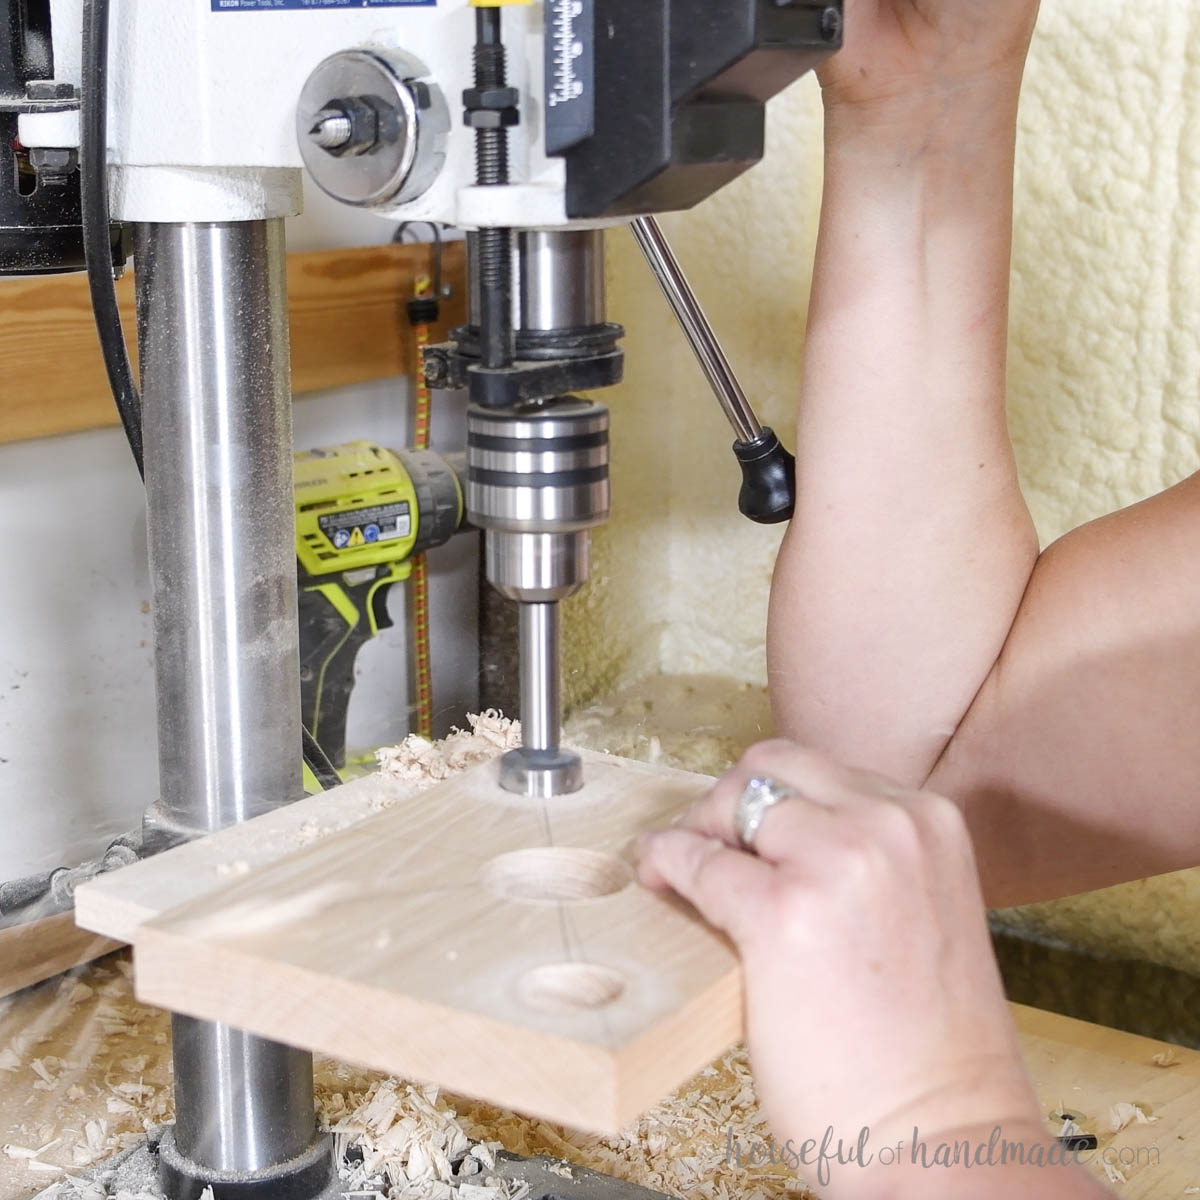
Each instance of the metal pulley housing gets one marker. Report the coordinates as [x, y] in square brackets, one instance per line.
[371, 131]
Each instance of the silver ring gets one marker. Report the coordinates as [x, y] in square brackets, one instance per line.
[758, 797]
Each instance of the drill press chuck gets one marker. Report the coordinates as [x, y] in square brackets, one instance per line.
[537, 483]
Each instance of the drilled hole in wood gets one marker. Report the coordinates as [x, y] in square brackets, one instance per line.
[570, 987]
[556, 874]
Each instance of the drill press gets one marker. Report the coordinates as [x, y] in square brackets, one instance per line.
[576, 115]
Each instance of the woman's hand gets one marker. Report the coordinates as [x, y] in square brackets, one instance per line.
[904, 48]
[873, 999]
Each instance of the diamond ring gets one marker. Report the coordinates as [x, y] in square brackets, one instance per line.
[758, 797]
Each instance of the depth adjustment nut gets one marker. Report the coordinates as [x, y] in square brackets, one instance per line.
[491, 118]
[490, 97]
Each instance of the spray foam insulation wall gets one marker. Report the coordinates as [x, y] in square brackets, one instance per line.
[1104, 363]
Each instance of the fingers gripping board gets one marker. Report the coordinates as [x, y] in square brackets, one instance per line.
[496, 945]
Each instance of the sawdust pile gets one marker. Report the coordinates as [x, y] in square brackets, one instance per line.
[84, 1075]
[409, 1135]
[396, 1140]
[417, 758]
[692, 722]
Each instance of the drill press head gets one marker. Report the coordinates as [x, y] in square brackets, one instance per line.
[639, 106]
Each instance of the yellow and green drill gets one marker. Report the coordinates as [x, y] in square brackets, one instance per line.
[362, 513]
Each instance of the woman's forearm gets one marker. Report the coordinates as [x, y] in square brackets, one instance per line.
[911, 546]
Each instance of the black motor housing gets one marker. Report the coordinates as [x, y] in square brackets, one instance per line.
[656, 104]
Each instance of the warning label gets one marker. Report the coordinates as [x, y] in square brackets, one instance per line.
[284, 5]
[364, 526]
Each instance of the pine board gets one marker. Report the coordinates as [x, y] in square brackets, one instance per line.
[399, 943]
[348, 325]
[36, 950]
[118, 903]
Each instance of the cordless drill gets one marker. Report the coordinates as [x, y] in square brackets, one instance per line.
[362, 513]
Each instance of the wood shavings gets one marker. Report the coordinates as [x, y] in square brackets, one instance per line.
[96, 1133]
[42, 1068]
[1114, 1173]
[418, 759]
[403, 1136]
[490, 1191]
[26, 1152]
[692, 1128]
[694, 722]
[91, 1037]
[9, 1061]
[1167, 1058]
[1123, 1114]
[404, 1142]
[238, 867]
[73, 990]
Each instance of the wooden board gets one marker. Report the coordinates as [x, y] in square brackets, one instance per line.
[118, 903]
[348, 325]
[1089, 1069]
[492, 944]
[38, 950]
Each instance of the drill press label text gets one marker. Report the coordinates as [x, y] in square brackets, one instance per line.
[290, 5]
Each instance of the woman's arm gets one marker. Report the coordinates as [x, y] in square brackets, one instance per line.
[908, 589]
[1077, 763]
[901, 574]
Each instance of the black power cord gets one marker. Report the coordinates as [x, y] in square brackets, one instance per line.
[435, 233]
[425, 310]
[97, 225]
[317, 761]
[98, 247]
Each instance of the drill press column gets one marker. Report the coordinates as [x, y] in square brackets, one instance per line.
[212, 327]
